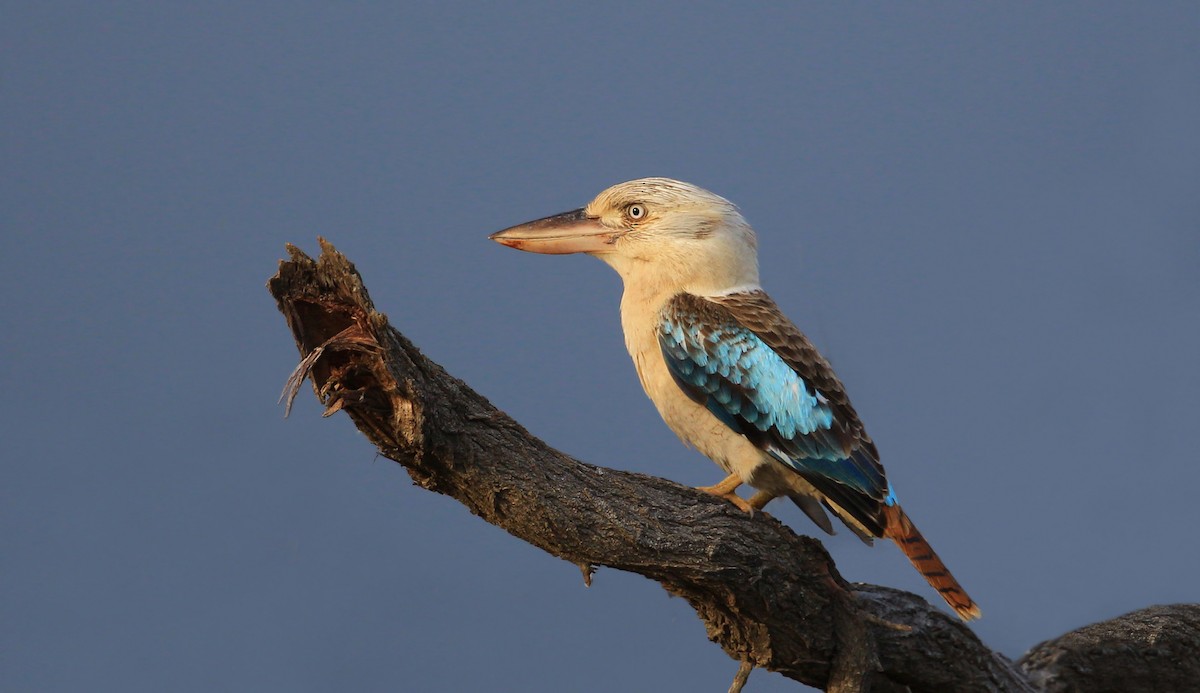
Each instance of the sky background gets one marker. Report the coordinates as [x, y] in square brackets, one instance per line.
[987, 216]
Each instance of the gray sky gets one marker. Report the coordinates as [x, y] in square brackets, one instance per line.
[987, 217]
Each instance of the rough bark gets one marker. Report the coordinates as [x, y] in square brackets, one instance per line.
[1153, 649]
[769, 597]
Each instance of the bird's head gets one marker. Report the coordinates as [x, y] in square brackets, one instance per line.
[656, 233]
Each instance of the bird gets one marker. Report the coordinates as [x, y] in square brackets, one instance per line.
[729, 373]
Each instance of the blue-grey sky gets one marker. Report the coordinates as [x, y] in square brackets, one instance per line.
[986, 215]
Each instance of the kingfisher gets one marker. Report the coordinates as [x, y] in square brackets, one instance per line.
[728, 372]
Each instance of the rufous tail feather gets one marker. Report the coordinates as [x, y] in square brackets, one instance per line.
[901, 530]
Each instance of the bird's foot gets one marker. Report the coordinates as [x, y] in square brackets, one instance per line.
[759, 500]
[729, 496]
[727, 486]
[726, 489]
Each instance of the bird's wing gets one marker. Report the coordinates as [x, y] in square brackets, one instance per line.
[755, 371]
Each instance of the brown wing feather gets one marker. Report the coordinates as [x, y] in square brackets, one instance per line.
[758, 313]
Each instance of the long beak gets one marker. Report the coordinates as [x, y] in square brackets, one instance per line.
[569, 232]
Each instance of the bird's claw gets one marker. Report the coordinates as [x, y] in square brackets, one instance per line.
[727, 490]
[729, 496]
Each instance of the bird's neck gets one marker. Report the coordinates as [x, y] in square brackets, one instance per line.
[665, 279]
[642, 304]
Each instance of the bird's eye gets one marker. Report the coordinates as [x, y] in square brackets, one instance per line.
[635, 212]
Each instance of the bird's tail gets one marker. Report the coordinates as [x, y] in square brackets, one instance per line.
[901, 530]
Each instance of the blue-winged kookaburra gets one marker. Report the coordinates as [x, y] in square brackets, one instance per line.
[730, 374]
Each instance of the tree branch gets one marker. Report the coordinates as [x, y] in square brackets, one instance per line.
[1152, 649]
[768, 597]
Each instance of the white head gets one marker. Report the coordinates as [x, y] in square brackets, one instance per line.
[657, 233]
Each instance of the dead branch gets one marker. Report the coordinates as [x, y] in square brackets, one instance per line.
[768, 597]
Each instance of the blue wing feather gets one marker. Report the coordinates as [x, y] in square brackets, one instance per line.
[749, 387]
